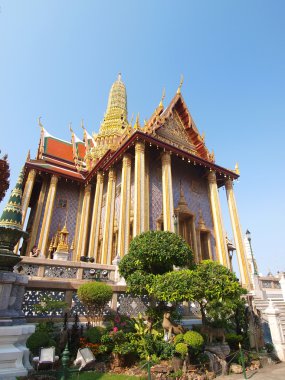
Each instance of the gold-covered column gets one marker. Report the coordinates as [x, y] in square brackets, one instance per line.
[37, 217]
[26, 199]
[139, 199]
[95, 226]
[167, 194]
[109, 219]
[27, 193]
[146, 201]
[124, 221]
[240, 250]
[83, 227]
[44, 235]
[221, 246]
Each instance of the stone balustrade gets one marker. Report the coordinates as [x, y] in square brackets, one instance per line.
[270, 283]
[65, 271]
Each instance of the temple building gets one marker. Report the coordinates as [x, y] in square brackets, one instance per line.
[87, 199]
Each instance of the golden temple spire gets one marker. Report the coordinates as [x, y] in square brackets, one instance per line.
[162, 98]
[180, 85]
[117, 104]
[137, 123]
[115, 122]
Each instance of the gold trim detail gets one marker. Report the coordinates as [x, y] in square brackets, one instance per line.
[240, 249]
[221, 247]
[44, 235]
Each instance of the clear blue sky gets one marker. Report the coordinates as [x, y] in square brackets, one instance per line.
[59, 59]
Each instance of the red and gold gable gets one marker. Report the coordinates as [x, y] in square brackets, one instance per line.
[58, 148]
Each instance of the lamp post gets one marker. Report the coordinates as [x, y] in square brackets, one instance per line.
[248, 235]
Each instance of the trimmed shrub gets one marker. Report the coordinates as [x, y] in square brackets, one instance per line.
[95, 296]
[38, 340]
[179, 338]
[194, 340]
[181, 349]
[94, 334]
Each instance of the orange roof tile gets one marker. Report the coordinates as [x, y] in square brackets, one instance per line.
[58, 148]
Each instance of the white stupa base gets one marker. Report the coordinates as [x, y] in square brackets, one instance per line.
[60, 255]
[14, 355]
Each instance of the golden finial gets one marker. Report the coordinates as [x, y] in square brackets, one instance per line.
[237, 169]
[212, 156]
[162, 98]
[70, 127]
[137, 123]
[180, 85]
[120, 77]
[203, 136]
[28, 156]
[82, 124]
[39, 122]
[132, 119]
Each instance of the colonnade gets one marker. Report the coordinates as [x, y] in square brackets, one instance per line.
[100, 248]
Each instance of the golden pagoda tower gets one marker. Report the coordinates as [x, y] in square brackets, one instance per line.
[115, 123]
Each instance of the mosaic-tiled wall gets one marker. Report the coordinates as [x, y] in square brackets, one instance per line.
[155, 191]
[118, 193]
[132, 185]
[67, 196]
[195, 188]
[66, 203]
[102, 218]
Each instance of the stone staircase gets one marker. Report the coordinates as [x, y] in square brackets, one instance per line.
[279, 303]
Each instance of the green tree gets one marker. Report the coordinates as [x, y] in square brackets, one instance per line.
[94, 296]
[213, 286]
[151, 254]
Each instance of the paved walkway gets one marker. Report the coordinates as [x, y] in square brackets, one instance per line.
[271, 372]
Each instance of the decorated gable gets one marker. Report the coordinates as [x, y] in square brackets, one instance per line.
[173, 132]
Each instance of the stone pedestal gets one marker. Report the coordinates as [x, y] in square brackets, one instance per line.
[60, 255]
[12, 288]
[14, 355]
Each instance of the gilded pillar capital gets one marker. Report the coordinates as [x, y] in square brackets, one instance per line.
[87, 189]
[229, 184]
[32, 175]
[100, 177]
[54, 180]
[139, 146]
[212, 177]
[127, 160]
[166, 158]
[112, 175]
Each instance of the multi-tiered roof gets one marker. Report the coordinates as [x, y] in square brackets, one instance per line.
[171, 129]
